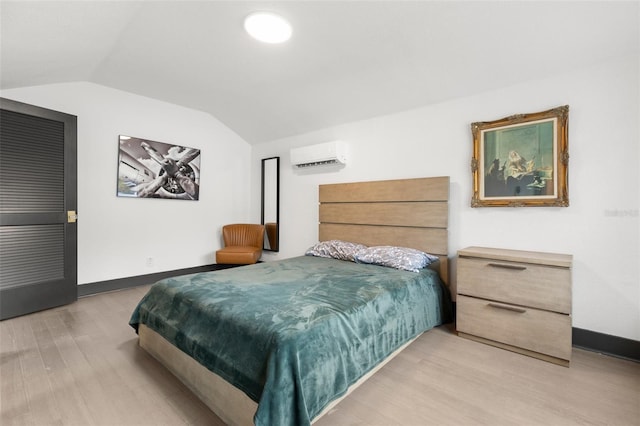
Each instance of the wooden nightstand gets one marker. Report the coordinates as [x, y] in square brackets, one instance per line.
[516, 300]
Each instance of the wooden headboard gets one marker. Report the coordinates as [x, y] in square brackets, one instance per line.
[404, 212]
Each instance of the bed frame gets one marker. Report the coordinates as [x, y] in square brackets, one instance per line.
[405, 212]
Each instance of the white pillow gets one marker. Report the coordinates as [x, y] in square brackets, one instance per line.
[403, 258]
[336, 249]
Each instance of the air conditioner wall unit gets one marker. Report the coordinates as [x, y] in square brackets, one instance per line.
[322, 154]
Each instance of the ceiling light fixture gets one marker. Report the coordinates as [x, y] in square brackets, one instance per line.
[267, 27]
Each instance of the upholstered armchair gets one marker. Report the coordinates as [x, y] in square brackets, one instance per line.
[242, 244]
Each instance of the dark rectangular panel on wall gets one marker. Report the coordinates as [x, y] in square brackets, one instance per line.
[32, 165]
[31, 254]
[32, 176]
[38, 230]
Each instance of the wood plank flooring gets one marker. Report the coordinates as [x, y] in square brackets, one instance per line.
[81, 365]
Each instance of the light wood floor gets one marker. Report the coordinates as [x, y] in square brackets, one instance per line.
[81, 365]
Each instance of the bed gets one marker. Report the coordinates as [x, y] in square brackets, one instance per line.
[282, 342]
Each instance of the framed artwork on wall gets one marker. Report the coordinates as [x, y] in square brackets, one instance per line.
[151, 169]
[521, 160]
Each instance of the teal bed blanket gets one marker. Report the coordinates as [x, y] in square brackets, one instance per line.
[293, 334]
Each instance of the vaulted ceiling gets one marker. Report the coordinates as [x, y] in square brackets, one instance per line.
[346, 61]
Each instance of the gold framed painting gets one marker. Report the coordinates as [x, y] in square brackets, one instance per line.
[521, 160]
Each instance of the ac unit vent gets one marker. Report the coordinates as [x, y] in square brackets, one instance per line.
[324, 154]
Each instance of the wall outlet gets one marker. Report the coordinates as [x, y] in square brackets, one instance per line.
[150, 261]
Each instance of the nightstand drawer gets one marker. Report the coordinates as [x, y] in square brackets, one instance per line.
[538, 286]
[532, 329]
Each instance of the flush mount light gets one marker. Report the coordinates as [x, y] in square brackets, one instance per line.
[267, 27]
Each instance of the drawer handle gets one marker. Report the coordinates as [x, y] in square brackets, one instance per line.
[507, 308]
[507, 266]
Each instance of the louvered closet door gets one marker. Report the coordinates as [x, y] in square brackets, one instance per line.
[37, 190]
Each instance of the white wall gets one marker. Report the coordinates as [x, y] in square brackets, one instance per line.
[117, 235]
[600, 228]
